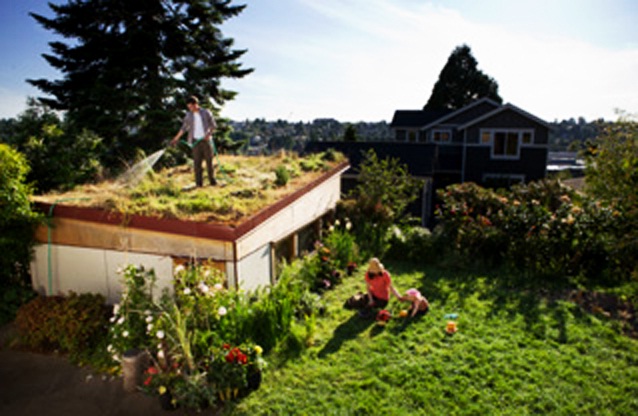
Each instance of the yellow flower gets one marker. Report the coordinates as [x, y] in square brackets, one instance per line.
[258, 349]
[161, 389]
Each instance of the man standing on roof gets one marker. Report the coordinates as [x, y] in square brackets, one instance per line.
[200, 125]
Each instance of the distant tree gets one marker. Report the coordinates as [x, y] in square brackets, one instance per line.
[350, 135]
[127, 66]
[461, 82]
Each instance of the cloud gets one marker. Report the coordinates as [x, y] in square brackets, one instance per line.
[366, 59]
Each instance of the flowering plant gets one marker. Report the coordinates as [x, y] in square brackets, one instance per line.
[134, 314]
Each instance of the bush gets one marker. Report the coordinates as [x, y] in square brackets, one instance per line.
[543, 229]
[17, 231]
[75, 324]
[282, 175]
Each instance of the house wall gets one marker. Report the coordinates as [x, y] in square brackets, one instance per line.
[92, 270]
[292, 217]
[530, 164]
[255, 269]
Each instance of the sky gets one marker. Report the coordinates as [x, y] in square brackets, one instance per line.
[360, 60]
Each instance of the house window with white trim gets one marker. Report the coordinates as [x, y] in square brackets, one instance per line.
[506, 143]
[441, 136]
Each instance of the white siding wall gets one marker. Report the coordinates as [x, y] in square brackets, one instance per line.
[92, 270]
[254, 269]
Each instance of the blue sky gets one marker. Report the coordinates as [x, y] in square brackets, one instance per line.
[359, 60]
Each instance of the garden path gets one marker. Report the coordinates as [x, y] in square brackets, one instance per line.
[47, 384]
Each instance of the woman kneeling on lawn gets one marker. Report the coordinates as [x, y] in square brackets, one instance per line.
[379, 285]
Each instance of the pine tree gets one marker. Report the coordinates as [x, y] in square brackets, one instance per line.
[461, 82]
[128, 66]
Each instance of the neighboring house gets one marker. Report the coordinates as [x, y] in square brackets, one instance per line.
[492, 144]
[82, 248]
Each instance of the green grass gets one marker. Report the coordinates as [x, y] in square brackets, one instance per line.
[516, 352]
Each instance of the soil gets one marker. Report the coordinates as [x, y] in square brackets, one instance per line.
[48, 384]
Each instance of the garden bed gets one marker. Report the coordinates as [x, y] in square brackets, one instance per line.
[247, 184]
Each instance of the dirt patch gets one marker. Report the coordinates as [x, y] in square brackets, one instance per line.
[609, 306]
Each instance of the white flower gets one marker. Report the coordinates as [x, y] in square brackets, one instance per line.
[207, 273]
[160, 334]
[337, 223]
[187, 290]
[149, 319]
[222, 311]
[149, 328]
[147, 312]
[160, 354]
[218, 286]
[179, 269]
[125, 334]
[116, 308]
[113, 318]
[120, 321]
[348, 225]
[203, 288]
[109, 349]
[116, 358]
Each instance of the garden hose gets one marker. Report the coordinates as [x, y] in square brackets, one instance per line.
[212, 142]
[50, 278]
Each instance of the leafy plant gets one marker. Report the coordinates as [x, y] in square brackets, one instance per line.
[384, 191]
[133, 318]
[17, 221]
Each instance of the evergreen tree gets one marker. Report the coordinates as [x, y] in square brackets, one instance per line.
[350, 135]
[461, 82]
[127, 66]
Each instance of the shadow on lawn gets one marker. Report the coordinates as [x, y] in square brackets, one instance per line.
[348, 330]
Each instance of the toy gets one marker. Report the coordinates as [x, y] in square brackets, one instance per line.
[403, 313]
[451, 328]
[383, 317]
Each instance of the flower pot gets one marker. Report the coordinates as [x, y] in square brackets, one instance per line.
[253, 380]
[166, 401]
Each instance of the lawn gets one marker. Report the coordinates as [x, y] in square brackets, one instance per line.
[516, 352]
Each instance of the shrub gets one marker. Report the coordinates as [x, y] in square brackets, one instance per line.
[135, 313]
[384, 191]
[17, 220]
[282, 175]
[543, 228]
[75, 324]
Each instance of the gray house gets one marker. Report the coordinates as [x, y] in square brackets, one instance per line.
[491, 144]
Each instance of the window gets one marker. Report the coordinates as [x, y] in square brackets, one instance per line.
[401, 135]
[506, 143]
[412, 136]
[527, 137]
[441, 136]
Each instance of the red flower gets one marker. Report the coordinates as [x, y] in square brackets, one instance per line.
[152, 370]
[147, 382]
[226, 346]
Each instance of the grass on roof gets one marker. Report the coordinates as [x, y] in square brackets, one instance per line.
[246, 184]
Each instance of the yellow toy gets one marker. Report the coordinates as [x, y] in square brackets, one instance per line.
[451, 327]
[403, 313]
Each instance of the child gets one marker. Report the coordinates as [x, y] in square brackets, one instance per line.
[420, 304]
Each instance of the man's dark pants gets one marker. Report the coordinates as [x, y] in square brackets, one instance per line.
[202, 152]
